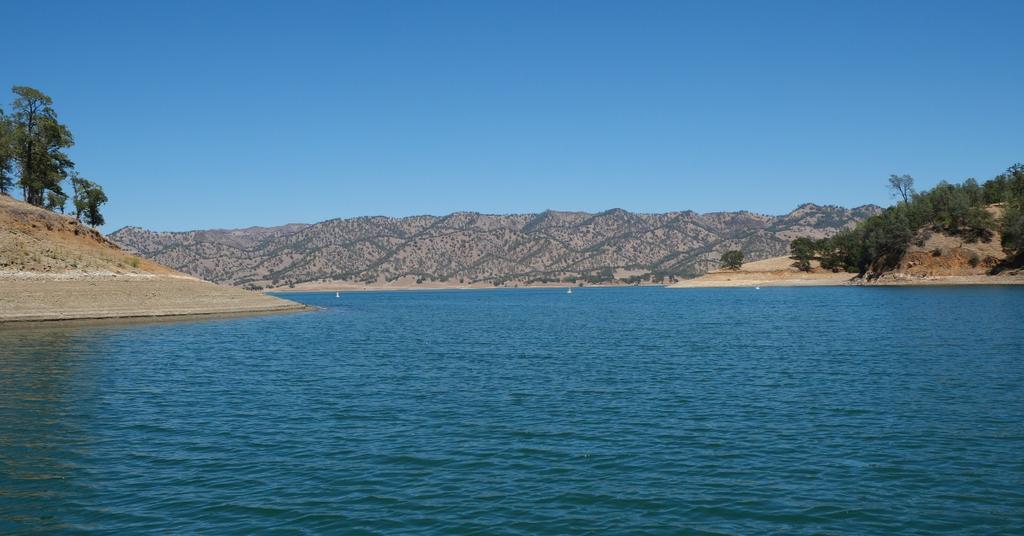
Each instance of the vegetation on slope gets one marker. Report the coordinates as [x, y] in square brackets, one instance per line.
[33, 158]
[970, 211]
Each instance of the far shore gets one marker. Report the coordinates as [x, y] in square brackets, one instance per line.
[852, 281]
[779, 272]
[718, 280]
[328, 287]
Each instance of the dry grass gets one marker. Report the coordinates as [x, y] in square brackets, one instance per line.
[37, 240]
[776, 271]
[54, 268]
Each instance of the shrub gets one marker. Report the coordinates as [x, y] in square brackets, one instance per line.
[1013, 230]
[802, 251]
[732, 260]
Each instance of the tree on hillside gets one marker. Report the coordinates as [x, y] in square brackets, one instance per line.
[732, 260]
[6, 154]
[878, 243]
[88, 199]
[902, 186]
[886, 239]
[56, 200]
[802, 251]
[843, 252]
[1013, 230]
[960, 210]
[39, 143]
[1014, 178]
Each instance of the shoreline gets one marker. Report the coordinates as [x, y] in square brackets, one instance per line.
[413, 288]
[853, 281]
[779, 272]
[838, 280]
[63, 297]
[144, 318]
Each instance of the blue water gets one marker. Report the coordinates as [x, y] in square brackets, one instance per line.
[715, 411]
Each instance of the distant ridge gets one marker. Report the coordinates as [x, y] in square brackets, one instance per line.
[614, 246]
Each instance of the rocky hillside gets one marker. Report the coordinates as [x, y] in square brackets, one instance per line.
[466, 247]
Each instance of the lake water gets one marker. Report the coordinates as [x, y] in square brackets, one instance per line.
[737, 411]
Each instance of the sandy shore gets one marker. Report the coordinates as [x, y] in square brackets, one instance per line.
[39, 297]
[779, 272]
[705, 282]
[774, 272]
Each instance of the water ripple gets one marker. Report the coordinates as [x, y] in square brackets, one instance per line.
[785, 411]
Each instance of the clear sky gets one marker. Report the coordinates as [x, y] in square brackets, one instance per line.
[218, 114]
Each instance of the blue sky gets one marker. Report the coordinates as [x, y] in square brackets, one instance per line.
[219, 114]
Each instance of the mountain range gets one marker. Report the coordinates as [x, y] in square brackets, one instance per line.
[614, 246]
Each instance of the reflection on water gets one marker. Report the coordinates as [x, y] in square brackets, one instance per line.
[628, 410]
[42, 379]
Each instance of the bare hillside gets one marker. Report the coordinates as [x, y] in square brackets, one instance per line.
[39, 241]
[467, 247]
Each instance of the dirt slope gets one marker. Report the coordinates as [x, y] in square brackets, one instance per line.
[54, 268]
[39, 241]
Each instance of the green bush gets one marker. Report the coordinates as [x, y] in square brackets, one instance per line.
[732, 260]
[802, 251]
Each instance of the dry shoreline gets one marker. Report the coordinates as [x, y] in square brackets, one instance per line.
[734, 281]
[61, 297]
[413, 288]
[54, 268]
[779, 272]
[847, 281]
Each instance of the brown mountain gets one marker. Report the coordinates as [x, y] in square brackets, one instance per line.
[467, 247]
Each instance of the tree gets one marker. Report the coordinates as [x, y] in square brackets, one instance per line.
[844, 251]
[1013, 230]
[39, 141]
[6, 154]
[55, 200]
[732, 259]
[88, 199]
[902, 186]
[886, 238]
[802, 251]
